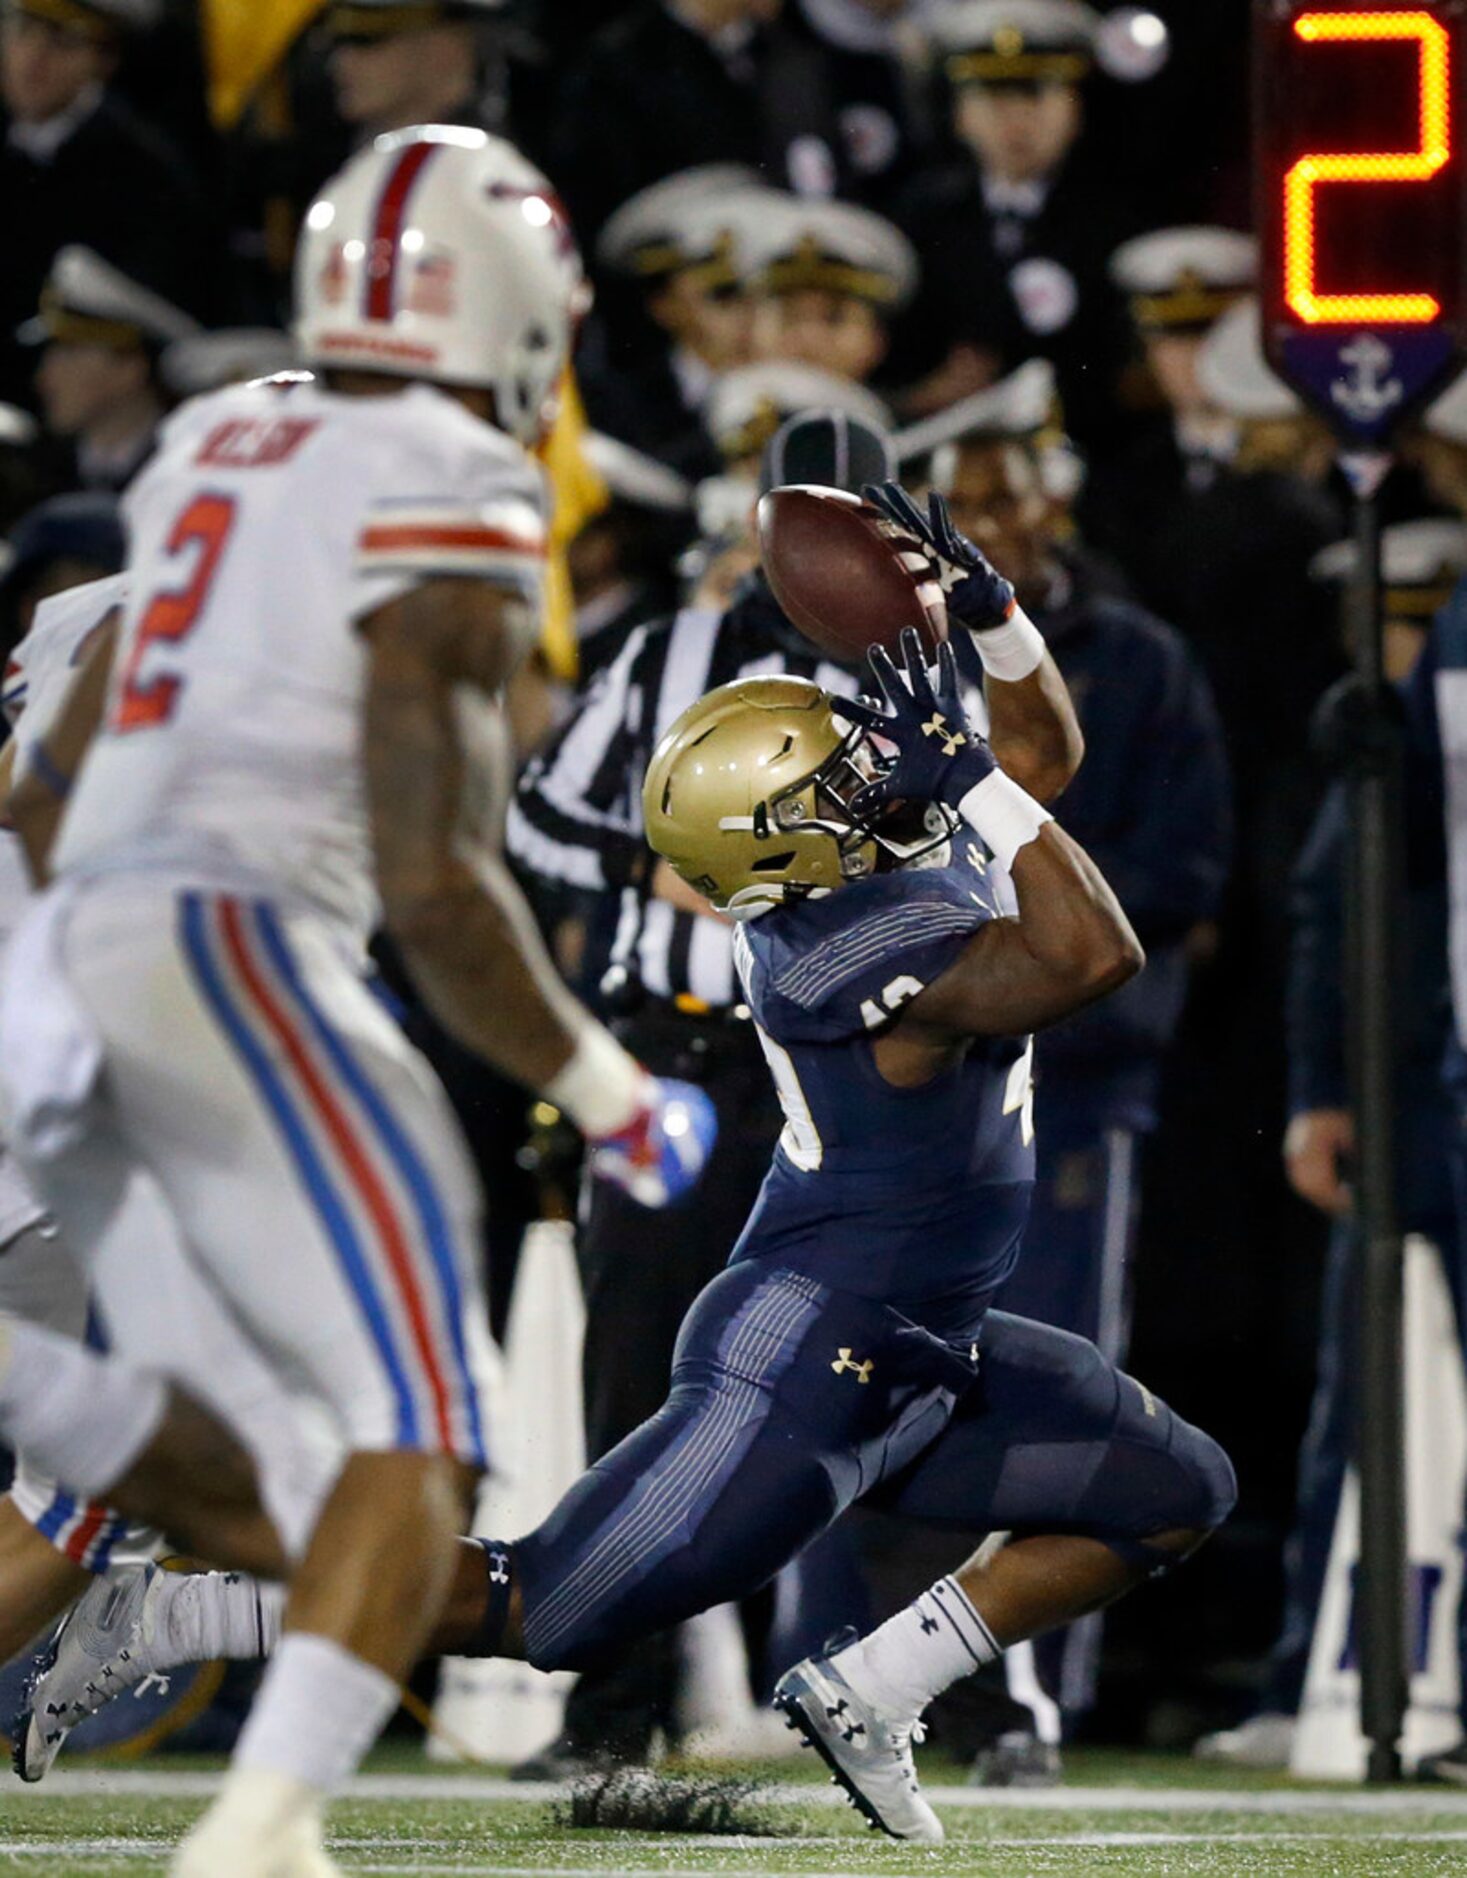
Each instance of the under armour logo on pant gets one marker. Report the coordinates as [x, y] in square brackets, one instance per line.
[844, 1362]
[499, 1568]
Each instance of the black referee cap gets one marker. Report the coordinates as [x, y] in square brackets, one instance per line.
[830, 448]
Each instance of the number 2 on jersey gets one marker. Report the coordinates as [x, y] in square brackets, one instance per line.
[171, 615]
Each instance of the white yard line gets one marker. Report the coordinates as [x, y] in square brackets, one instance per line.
[1387, 1803]
[390, 1857]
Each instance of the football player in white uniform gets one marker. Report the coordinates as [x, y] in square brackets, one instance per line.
[272, 759]
[54, 1541]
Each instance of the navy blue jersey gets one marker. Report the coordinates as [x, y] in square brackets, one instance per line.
[916, 1197]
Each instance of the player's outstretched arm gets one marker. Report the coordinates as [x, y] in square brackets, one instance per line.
[37, 797]
[1032, 726]
[465, 932]
[1070, 945]
[1071, 942]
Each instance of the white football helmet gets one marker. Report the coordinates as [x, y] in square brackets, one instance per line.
[441, 253]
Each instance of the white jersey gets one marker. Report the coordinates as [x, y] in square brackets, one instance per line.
[37, 678]
[273, 518]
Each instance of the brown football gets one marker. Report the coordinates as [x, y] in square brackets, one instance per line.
[843, 574]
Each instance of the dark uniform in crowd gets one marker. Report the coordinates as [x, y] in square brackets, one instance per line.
[1151, 804]
[78, 167]
[61, 544]
[727, 81]
[673, 314]
[671, 990]
[1421, 562]
[100, 337]
[1178, 282]
[868, 130]
[1015, 233]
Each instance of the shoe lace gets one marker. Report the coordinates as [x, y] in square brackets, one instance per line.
[154, 1679]
[908, 1735]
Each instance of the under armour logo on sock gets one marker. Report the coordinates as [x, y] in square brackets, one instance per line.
[929, 1624]
[936, 726]
[499, 1568]
[845, 1361]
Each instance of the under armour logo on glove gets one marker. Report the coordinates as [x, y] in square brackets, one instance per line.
[661, 1152]
[953, 740]
[862, 1369]
[499, 1568]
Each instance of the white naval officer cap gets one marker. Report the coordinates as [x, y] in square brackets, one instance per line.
[1446, 417]
[18, 429]
[1182, 279]
[231, 355]
[634, 477]
[1023, 407]
[1420, 563]
[1023, 404]
[666, 226]
[101, 20]
[86, 301]
[1233, 371]
[798, 242]
[747, 405]
[1015, 42]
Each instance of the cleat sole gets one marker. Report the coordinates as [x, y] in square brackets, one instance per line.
[789, 1704]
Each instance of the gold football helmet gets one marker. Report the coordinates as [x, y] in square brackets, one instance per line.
[748, 798]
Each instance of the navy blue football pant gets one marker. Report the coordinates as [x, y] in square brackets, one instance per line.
[790, 1401]
[1074, 1272]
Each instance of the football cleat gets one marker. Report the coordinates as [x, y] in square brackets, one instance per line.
[662, 1151]
[867, 1754]
[286, 1849]
[1263, 1741]
[95, 1654]
[1016, 1759]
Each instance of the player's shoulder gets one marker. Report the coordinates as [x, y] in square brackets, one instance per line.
[820, 952]
[60, 631]
[430, 446]
[63, 621]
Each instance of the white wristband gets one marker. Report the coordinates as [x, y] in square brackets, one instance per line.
[602, 1087]
[1005, 816]
[1011, 651]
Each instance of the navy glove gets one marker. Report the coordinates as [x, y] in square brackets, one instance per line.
[977, 595]
[939, 756]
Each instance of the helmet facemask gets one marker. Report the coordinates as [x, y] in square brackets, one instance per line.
[899, 834]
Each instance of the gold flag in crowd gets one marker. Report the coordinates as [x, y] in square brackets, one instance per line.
[244, 43]
[579, 494]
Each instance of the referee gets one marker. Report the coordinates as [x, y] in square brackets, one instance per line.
[669, 987]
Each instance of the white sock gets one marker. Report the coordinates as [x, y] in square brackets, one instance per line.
[79, 1417]
[921, 1651]
[203, 1617]
[318, 1711]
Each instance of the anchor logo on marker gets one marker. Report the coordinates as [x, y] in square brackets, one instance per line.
[1367, 394]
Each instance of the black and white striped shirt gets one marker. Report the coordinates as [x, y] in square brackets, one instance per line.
[576, 819]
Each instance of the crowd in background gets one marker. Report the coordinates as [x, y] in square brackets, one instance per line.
[1009, 240]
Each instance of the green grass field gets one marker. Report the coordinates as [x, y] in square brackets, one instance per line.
[1122, 1817]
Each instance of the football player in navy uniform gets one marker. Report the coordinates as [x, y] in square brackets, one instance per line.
[906, 915]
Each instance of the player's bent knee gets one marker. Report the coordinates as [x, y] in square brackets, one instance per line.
[1212, 1486]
